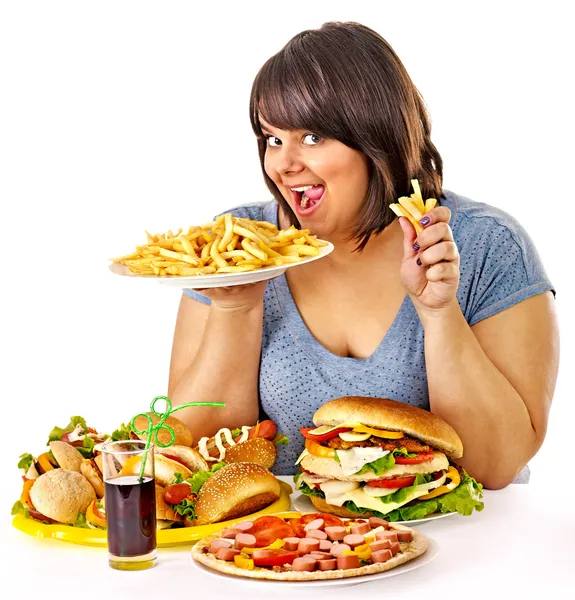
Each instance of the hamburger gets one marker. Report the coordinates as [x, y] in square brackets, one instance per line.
[378, 457]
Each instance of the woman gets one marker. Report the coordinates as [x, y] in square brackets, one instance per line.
[458, 319]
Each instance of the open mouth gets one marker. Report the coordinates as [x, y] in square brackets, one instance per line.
[307, 197]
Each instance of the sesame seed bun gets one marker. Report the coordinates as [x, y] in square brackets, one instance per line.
[235, 490]
[190, 457]
[257, 450]
[60, 495]
[184, 436]
[66, 455]
[391, 415]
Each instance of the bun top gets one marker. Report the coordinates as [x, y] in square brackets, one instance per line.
[391, 415]
[62, 494]
[67, 456]
[235, 490]
[184, 436]
[257, 450]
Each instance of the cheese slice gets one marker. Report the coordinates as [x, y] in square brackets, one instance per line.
[336, 492]
[302, 456]
[363, 500]
[354, 459]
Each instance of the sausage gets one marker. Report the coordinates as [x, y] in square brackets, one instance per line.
[353, 540]
[325, 545]
[226, 553]
[386, 535]
[381, 556]
[316, 524]
[217, 544]
[307, 545]
[244, 526]
[316, 533]
[291, 543]
[348, 561]
[329, 564]
[245, 540]
[377, 522]
[337, 549]
[380, 545]
[404, 536]
[336, 533]
[303, 563]
[230, 533]
[318, 555]
[361, 529]
[395, 548]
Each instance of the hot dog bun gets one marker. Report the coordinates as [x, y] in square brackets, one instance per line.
[235, 490]
[61, 494]
[184, 436]
[188, 456]
[164, 512]
[257, 450]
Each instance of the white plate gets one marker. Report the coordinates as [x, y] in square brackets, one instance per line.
[222, 279]
[303, 504]
[420, 561]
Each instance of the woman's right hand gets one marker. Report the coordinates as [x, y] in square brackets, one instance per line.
[236, 298]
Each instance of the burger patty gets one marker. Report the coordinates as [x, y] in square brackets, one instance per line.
[408, 443]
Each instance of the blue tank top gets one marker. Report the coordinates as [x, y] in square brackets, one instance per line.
[499, 268]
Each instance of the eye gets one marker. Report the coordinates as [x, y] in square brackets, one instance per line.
[273, 141]
[311, 139]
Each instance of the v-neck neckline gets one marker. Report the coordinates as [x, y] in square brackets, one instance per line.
[311, 345]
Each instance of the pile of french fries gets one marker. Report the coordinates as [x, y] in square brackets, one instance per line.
[413, 208]
[227, 245]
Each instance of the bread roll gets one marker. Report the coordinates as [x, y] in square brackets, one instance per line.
[235, 490]
[257, 450]
[66, 456]
[184, 436]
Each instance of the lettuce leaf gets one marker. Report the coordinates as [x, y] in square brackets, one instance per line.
[57, 433]
[378, 466]
[18, 508]
[122, 433]
[281, 440]
[186, 508]
[25, 461]
[199, 478]
[81, 521]
[87, 448]
[308, 491]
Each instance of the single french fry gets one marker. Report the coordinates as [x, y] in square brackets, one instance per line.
[281, 260]
[430, 204]
[229, 232]
[187, 245]
[306, 250]
[189, 271]
[179, 256]
[253, 249]
[237, 269]
[218, 260]
[234, 243]
[242, 254]
[206, 250]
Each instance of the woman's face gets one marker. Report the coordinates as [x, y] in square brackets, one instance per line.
[323, 181]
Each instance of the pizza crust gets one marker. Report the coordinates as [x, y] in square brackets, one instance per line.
[409, 551]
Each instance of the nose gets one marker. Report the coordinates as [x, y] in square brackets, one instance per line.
[285, 160]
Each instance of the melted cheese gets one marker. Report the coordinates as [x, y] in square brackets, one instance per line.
[363, 500]
[354, 459]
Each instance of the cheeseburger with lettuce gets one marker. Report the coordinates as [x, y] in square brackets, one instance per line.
[378, 457]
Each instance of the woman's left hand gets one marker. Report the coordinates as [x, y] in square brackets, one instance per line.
[430, 265]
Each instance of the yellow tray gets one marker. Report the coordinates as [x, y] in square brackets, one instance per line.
[165, 537]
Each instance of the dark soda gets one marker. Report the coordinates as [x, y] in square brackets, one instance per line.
[131, 515]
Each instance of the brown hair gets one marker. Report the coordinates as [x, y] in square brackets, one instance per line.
[345, 82]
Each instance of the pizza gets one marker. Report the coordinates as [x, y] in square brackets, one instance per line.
[309, 546]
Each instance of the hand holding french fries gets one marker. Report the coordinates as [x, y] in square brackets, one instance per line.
[413, 208]
[227, 245]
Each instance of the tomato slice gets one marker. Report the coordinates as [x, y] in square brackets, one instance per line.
[273, 558]
[393, 482]
[172, 457]
[297, 527]
[322, 438]
[268, 529]
[415, 460]
[329, 520]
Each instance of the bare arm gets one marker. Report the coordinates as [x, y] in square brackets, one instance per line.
[215, 358]
[494, 383]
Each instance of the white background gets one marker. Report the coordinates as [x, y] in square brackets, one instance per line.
[116, 117]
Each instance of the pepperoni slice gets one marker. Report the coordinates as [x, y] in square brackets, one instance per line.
[328, 520]
[268, 529]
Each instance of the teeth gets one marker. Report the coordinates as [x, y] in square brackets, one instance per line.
[304, 188]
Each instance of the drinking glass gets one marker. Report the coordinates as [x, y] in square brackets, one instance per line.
[130, 501]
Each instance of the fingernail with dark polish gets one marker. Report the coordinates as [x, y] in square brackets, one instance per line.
[415, 246]
[425, 221]
[419, 262]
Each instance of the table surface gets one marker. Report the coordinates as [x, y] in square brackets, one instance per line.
[517, 545]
